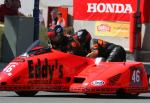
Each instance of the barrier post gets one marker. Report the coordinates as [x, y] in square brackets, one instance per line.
[135, 32]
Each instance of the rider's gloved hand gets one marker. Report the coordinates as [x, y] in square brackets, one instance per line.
[93, 54]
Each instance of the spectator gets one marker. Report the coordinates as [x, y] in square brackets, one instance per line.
[54, 17]
[10, 7]
[108, 51]
[61, 20]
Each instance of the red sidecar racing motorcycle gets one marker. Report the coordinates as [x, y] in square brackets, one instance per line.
[42, 68]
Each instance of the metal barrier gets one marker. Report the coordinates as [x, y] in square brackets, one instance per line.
[18, 35]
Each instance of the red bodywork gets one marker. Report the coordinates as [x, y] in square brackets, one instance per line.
[64, 72]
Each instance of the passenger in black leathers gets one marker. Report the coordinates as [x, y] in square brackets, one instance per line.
[84, 38]
[108, 51]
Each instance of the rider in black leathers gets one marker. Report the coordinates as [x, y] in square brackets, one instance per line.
[64, 43]
[84, 38]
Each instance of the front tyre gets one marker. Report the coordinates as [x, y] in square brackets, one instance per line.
[26, 93]
[121, 93]
[92, 95]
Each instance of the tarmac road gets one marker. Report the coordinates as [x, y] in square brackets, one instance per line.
[48, 97]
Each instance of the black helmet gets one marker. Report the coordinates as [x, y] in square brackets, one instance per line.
[56, 34]
[55, 31]
[83, 36]
[58, 29]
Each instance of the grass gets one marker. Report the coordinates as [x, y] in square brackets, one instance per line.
[43, 33]
[1, 29]
[1, 35]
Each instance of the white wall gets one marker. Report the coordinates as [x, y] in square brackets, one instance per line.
[1, 1]
[27, 7]
[56, 2]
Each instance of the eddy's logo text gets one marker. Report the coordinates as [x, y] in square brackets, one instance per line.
[44, 69]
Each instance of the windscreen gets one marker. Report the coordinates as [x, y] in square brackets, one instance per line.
[36, 48]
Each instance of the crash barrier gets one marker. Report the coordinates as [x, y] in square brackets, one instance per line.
[18, 35]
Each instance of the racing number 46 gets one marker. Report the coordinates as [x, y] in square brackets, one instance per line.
[136, 75]
[9, 68]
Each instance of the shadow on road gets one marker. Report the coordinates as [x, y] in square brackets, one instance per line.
[97, 96]
[82, 96]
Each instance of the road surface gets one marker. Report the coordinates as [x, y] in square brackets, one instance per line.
[48, 97]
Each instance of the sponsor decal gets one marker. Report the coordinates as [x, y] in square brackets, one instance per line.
[44, 69]
[112, 10]
[110, 28]
[97, 83]
[109, 8]
[103, 28]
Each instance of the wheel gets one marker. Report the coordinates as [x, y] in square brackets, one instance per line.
[125, 95]
[26, 93]
[121, 93]
[92, 95]
[134, 95]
